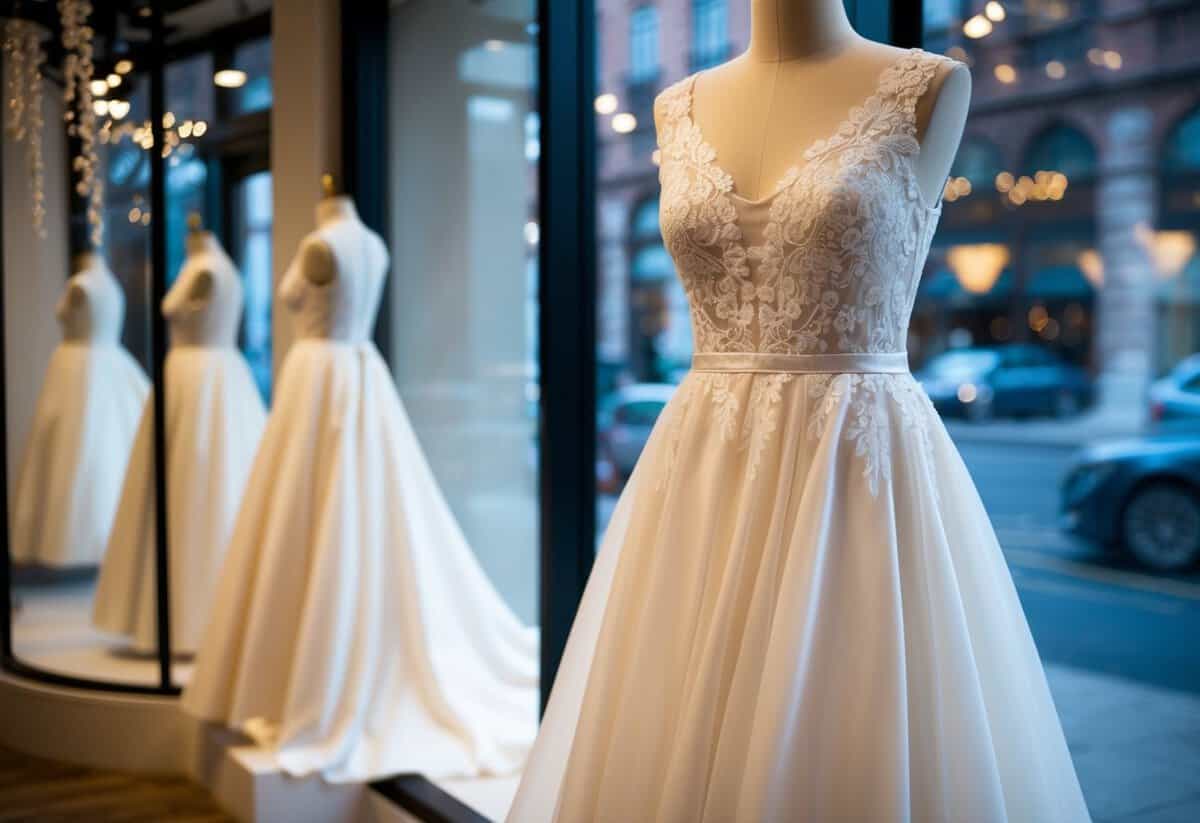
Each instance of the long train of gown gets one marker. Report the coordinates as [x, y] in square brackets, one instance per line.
[215, 418]
[83, 429]
[354, 631]
[800, 611]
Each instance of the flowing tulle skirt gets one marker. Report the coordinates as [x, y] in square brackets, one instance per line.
[70, 473]
[800, 612]
[215, 418]
[354, 630]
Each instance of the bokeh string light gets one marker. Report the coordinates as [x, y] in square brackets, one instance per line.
[25, 123]
[80, 114]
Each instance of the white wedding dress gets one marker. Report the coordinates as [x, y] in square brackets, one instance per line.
[800, 611]
[215, 418]
[354, 631]
[83, 428]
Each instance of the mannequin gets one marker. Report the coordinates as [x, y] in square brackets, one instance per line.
[83, 429]
[804, 70]
[215, 418]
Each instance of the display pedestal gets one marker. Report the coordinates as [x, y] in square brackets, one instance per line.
[150, 734]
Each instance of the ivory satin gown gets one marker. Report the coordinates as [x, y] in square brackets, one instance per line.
[354, 632]
[83, 429]
[800, 611]
[215, 417]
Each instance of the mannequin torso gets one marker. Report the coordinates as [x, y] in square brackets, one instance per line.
[92, 307]
[804, 71]
[204, 305]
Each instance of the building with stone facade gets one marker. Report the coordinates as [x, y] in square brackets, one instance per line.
[1071, 217]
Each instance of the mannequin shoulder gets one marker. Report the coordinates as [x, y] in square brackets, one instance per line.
[316, 260]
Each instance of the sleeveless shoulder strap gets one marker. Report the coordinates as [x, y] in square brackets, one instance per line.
[672, 105]
[907, 81]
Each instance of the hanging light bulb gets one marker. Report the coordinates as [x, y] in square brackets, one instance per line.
[977, 27]
[230, 78]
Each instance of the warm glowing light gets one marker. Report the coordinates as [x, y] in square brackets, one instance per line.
[958, 53]
[199, 128]
[494, 45]
[1095, 56]
[1092, 265]
[1004, 181]
[185, 129]
[118, 109]
[624, 123]
[100, 107]
[967, 392]
[1038, 317]
[977, 27]
[1055, 70]
[1005, 73]
[230, 78]
[145, 218]
[135, 214]
[123, 66]
[168, 120]
[978, 265]
[994, 11]
[113, 80]
[99, 88]
[1112, 60]
[1169, 250]
[606, 103]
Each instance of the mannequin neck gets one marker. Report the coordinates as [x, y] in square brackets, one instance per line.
[782, 30]
[337, 207]
[199, 242]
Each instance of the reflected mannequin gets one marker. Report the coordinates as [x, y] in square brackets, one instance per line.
[83, 429]
[215, 418]
[354, 632]
[799, 611]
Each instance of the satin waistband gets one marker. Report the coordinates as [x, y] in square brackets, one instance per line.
[892, 362]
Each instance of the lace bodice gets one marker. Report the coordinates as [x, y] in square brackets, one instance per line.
[204, 306]
[344, 308]
[92, 307]
[829, 262]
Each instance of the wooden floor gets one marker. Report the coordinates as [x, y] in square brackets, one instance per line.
[48, 792]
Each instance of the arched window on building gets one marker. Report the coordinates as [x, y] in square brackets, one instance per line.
[1065, 149]
[710, 33]
[1181, 152]
[661, 324]
[978, 160]
[1177, 235]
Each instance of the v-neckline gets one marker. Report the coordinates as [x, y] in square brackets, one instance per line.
[804, 162]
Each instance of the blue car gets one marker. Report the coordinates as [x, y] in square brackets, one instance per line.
[1176, 397]
[1141, 495]
[1011, 380]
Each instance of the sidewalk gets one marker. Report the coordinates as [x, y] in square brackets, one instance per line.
[1072, 432]
[1136, 748]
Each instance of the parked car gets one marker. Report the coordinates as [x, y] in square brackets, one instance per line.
[626, 418]
[1176, 397]
[1141, 495]
[1010, 380]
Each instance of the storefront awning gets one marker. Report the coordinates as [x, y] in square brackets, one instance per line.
[1059, 283]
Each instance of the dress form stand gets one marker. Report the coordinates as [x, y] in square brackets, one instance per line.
[83, 428]
[215, 418]
[354, 633]
[804, 69]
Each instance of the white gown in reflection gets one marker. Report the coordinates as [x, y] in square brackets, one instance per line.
[215, 418]
[354, 630]
[800, 611]
[83, 429]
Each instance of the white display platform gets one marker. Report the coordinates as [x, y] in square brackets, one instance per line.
[150, 734]
[52, 631]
